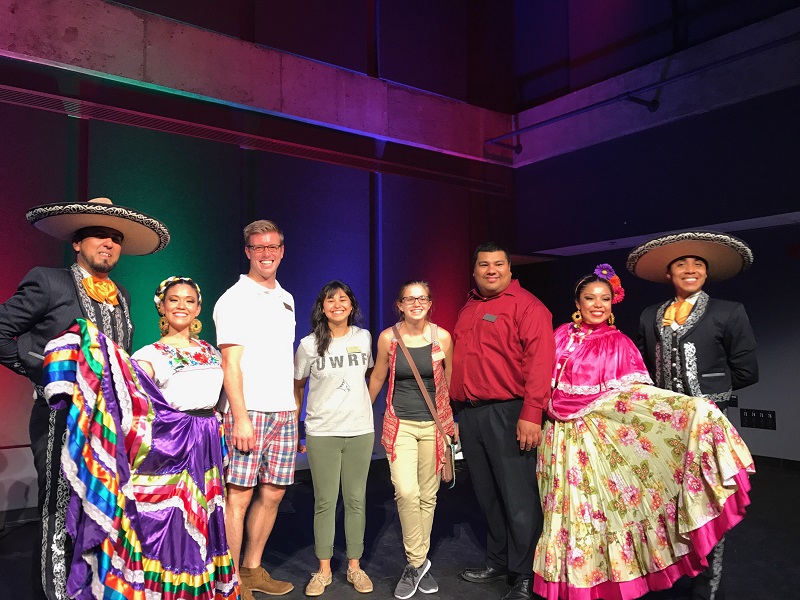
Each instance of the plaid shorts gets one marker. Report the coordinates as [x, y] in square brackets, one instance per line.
[272, 458]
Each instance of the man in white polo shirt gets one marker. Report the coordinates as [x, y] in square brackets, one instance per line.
[255, 331]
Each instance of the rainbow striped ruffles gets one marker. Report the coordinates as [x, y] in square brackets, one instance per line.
[146, 510]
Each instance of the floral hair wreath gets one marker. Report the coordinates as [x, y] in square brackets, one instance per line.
[606, 271]
[162, 288]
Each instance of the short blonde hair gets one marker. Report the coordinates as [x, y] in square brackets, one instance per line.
[261, 226]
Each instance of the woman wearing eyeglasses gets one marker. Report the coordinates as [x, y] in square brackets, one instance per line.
[414, 446]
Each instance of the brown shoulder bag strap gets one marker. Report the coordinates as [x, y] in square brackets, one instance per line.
[417, 376]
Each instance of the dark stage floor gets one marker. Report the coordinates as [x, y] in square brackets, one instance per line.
[760, 559]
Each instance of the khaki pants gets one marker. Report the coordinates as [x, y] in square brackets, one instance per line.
[415, 485]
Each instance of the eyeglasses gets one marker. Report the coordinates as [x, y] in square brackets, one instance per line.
[258, 249]
[409, 300]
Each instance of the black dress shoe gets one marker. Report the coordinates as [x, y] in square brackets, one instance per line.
[484, 574]
[522, 591]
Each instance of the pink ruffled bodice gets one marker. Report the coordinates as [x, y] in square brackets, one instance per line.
[589, 362]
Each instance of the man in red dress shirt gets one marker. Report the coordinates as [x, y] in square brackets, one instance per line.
[502, 365]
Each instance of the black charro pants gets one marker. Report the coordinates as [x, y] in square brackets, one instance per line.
[504, 479]
[708, 584]
[52, 553]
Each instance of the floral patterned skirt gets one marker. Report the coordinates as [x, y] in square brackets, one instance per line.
[636, 493]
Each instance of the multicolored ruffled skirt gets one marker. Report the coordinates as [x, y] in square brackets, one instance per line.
[146, 509]
[636, 493]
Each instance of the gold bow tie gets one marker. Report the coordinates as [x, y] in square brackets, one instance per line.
[102, 290]
[677, 312]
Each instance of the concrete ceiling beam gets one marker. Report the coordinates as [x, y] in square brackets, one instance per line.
[140, 48]
[598, 114]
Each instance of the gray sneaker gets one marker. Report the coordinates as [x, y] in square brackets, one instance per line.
[427, 584]
[409, 581]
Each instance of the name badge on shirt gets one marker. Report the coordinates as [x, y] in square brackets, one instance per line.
[438, 355]
[490, 318]
[354, 349]
[288, 307]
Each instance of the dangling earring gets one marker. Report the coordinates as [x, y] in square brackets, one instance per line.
[195, 327]
[163, 325]
[611, 319]
[577, 319]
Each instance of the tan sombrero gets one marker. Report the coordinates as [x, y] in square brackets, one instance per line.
[726, 255]
[142, 233]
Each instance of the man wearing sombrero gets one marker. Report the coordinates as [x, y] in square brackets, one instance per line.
[47, 301]
[694, 344]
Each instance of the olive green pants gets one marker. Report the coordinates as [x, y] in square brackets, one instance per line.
[339, 461]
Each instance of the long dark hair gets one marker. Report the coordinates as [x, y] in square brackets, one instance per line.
[319, 322]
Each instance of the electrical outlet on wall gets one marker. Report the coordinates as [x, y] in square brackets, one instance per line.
[757, 418]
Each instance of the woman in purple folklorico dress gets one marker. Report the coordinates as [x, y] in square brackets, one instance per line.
[144, 458]
[637, 483]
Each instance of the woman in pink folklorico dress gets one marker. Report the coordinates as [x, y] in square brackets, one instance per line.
[637, 483]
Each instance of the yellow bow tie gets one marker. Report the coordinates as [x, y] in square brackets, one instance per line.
[677, 312]
[102, 290]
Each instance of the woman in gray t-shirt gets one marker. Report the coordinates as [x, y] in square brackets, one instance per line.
[335, 359]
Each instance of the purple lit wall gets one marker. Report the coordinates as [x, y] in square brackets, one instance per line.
[425, 233]
[324, 211]
[34, 168]
[34, 160]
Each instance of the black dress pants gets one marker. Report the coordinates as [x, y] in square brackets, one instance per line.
[504, 478]
[52, 554]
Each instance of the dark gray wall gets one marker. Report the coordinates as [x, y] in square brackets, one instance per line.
[735, 163]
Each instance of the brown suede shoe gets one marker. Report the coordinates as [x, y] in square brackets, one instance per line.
[360, 580]
[258, 580]
[244, 593]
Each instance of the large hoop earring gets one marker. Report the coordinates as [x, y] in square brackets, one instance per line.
[577, 319]
[195, 327]
[611, 319]
[163, 325]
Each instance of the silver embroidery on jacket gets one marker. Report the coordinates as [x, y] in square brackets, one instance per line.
[690, 358]
[663, 348]
[682, 372]
[112, 321]
[686, 369]
[86, 302]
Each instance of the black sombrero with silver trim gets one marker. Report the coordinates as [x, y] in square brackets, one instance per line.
[142, 233]
[725, 254]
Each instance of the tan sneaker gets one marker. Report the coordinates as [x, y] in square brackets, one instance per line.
[258, 580]
[360, 580]
[318, 584]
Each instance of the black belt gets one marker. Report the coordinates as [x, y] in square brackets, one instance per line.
[200, 412]
[479, 403]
